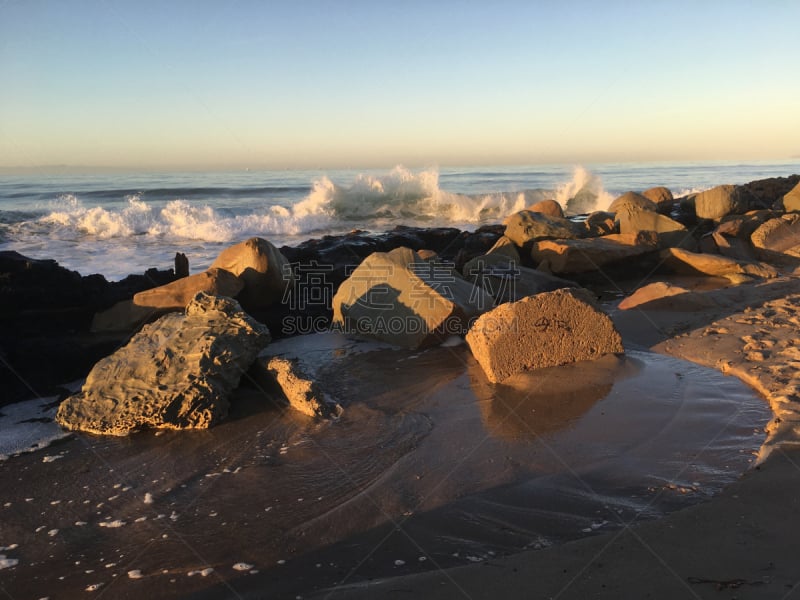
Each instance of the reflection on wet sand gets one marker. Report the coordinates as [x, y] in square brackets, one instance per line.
[535, 403]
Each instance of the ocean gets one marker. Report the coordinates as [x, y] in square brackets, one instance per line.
[121, 223]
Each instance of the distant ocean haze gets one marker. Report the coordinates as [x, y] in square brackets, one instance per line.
[117, 224]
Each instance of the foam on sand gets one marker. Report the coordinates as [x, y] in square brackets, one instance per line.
[28, 426]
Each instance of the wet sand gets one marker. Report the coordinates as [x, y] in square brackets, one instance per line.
[435, 471]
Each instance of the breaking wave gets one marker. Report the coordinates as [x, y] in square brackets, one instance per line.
[369, 202]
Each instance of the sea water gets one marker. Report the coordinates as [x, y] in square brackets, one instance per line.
[121, 223]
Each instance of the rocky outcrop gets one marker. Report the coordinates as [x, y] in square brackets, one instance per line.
[550, 329]
[399, 298]
[692, 263]
[527, 226]
[300, 391]
[581, 256]
[778, 237]
[632, 200]
[265, 272]
[723, 200]
[769, 192]
[176, 373]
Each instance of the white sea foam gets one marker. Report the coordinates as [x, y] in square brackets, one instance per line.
[28, 426]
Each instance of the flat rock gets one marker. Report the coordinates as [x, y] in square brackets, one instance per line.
[527, 226]
[176, 295]
[791, 200]
[546, 330]
[666, 296]
[265, 272]
[176, 373]
[581, 256]
[692, 263]
[401, 299]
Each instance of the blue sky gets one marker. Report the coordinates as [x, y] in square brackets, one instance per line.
[327, 84]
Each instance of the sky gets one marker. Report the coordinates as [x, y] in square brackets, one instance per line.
[305, 84]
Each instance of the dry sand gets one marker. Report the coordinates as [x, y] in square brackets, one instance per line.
[742, 544]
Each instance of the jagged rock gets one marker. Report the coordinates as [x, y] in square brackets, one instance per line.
[399, 298]
[546, 330]
[791, 200]
[630, 200]
[264, 270]
[777, 237]
[506, 248]
[507, 281]
[662, 197]
[769, 192]
[527, 226]
[723, 200]
[670, 233]
[301, 393]
[176, 373]
[601, 223]
[551, 208]
[691, 263]
[581, 256]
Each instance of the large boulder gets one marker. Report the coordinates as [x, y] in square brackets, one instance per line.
[527, 226]
[399, 298]
[582, 256]
[777, 237]
[791, 200]
[601, 223]
[176, 373]
[632, 200]
[507, 281]
[264, 270]
[721, 201]
[547, 330]
[670, 233]
[551, 208]
[692, 263]
[662, 197]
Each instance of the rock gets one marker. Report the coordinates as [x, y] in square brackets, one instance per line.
[584, 201]
[504, 247]
[665, 296]
[302, 394]
[600, 223]
[661, 197]
[732, 247]
[791, 200]
[125, 316]
[181, 265]
[630, 200]
[176, 295]
[526, 226]
[581, 256]
[507, 281]
[264, 270]
[691, 263]
[670, 233]
[721, 201]
[546, 330]
[777, 237]
[399, 298]
[769, 192]
[176, 373]
[425, 254]
[551, 208]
